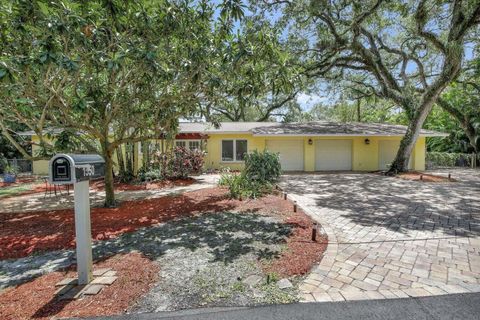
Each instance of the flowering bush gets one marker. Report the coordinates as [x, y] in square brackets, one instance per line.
[175, 164]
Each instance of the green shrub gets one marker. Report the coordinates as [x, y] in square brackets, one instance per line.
[241, 187]
[263, 167]
[261, 170]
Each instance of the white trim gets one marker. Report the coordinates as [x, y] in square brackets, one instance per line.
[234, 150]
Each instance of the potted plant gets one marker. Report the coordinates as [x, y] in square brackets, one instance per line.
[10, 174]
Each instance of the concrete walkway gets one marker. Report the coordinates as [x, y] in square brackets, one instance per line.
[37, 201]
[391, 238]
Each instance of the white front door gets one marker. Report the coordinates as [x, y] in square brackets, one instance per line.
[291, 153]
[333, 155]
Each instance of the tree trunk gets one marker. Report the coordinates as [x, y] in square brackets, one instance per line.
[121, 163]
[359, 117]
[400, 164]
[109, 187]
[107, 151]
[129, 154]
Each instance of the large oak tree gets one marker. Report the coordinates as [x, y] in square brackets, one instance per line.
[405, 51]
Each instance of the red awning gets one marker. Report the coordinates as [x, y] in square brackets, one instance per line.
[191, 136]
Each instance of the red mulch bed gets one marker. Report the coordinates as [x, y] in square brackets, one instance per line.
[301, 253]
[415, 176]
[100, 185]
[36, 299]
[20, 180]
[25, 233]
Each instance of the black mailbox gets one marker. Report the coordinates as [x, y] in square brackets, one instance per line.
[72, 168]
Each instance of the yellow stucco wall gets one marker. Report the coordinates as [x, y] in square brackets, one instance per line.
[213, 159]
[39, 167]
[419, 154]
[364, 156]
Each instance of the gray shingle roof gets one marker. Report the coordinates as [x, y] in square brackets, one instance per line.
[295, 128]
[304, 128]
[337, 128]
[225, 127]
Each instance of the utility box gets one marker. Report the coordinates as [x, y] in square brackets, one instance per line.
[73, 168]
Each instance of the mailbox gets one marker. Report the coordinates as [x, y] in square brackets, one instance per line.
[79, 169]
[72, 168]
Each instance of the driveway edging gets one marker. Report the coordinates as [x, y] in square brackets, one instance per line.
[311, 282]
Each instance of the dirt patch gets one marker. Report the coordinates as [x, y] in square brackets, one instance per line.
[36, 299]
[424, 177]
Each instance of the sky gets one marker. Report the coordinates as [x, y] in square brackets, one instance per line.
[309, 99]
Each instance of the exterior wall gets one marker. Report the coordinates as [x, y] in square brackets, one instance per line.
[419, 154]
[364, 156]
[213, 159]
[39, 167]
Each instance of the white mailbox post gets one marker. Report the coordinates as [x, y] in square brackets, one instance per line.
[79, 169]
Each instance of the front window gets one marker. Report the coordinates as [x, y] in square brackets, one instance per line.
[240, 149]
[194, 145]
[189, 144]
[182, 144]
[234, 150]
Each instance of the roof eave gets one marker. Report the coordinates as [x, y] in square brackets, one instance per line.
[344, 135]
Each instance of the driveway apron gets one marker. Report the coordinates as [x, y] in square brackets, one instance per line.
[391, 238]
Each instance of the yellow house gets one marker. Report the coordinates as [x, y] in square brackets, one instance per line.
[310, 146]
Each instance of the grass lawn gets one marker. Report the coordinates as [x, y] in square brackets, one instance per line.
[14, 190]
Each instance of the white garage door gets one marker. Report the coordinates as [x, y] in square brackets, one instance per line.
[387, 150]
[291, 153]
[333, 155]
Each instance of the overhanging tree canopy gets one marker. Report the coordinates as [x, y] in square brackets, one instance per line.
[115, 71]
[404, 51]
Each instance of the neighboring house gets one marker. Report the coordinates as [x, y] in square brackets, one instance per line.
[310, 146]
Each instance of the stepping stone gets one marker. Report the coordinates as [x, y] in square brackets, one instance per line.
[92, 289]
[104, 280]
[110, 274]
[66, 281]
[252, 280]
[284, 284]
[100, 272]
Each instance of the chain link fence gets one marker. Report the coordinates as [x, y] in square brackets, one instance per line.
[22, 165]
[445, 159]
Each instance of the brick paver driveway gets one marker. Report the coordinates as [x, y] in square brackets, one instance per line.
[392, 238]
